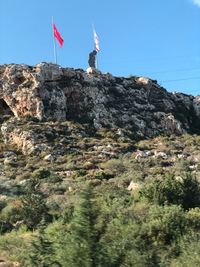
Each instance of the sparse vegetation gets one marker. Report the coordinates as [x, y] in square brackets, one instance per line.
[78, 207]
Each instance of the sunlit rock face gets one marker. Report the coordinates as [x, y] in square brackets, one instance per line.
[32, 91]
[48, 92]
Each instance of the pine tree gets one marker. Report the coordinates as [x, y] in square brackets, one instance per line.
[41, 253]
[33, 205]
[82, 247]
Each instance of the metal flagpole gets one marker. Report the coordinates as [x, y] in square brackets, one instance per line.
[54, 43]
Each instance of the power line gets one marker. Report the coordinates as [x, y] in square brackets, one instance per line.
[182, 79]
[149, 59]
[176, 70]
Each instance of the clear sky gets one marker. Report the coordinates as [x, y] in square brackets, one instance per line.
[159, 39]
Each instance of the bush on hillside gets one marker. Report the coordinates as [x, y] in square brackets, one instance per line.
[173, 190]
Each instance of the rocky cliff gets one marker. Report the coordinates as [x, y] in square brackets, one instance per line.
[47, 92]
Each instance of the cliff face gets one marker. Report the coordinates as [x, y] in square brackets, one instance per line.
[140, 105]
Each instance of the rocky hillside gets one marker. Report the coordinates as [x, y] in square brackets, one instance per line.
[133, 143]
[137, 104]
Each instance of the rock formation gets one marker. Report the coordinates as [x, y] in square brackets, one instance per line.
[48, 92]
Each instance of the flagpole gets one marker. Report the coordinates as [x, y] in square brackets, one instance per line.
[54, 43]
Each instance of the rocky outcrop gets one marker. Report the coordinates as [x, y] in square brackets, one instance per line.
[138, 104]
[30, 141]
[33, 91]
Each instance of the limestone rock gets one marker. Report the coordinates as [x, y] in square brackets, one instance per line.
[196, 104]
[32, 91]
[133, 186]
[139, 105]
[28, 141]
[49, 157]
[145, 82]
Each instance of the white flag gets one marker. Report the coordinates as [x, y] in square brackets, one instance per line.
[96, 41]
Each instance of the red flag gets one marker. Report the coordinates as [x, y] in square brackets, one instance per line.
[57, 35]
[96, 41]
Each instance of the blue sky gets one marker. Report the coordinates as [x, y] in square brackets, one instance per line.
[154, 38]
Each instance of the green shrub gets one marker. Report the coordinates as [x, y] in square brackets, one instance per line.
[11, 213]
[193, 217]
[190, 252]
[164, 225]
[3, 204]
[171, 190]
[81, 172]
[41, 173]
[101, 175]
[114, 165]
[54, 179]
[13, 245]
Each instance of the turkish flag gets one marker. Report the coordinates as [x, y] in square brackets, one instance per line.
[57, 35]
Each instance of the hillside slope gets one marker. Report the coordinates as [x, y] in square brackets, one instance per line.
[96, 170]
